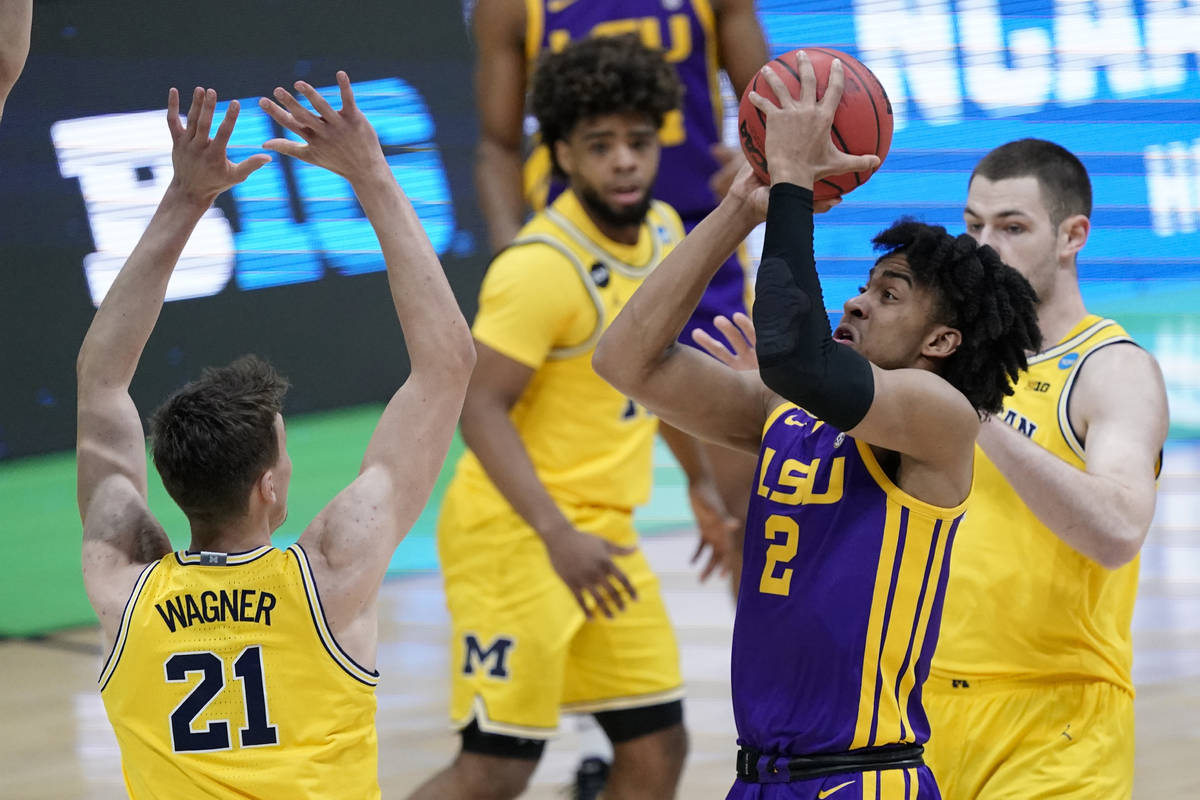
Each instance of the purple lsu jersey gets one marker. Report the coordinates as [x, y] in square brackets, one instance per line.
[685, 31]
[843, 580]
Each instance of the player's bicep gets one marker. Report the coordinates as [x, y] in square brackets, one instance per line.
[109, 441]
[1120, 400]
[918, 414]
[700, 395]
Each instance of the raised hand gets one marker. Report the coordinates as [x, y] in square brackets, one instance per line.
[585, 564]
[739, 353]
[202, 168]
[798, 145]
[340, 141]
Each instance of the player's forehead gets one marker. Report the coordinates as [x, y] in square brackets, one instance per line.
[1005, 198]
[893, 266]
[614, 125]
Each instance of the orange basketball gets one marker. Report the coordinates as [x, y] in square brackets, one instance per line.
[862, 123]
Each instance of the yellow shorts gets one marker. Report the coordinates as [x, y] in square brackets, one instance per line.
[1065, 740]
[522, 649]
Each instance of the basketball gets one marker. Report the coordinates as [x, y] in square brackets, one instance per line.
[862, 123]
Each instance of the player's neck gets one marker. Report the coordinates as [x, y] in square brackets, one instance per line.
[230, 536]
[1059, 313]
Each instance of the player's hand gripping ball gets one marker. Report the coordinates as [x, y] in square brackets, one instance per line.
[862, 123]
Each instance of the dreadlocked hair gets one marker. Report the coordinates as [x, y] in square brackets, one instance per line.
[989, 302]
[597, 76]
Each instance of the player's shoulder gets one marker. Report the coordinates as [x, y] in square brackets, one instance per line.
[665, 220]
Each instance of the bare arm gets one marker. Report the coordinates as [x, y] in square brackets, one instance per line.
[714, 523]
[639, 355]
[119, 533]
[16, 18]
[741, 44]
[583, 561]
[499, 27]
[352, 539]
[1119, 406]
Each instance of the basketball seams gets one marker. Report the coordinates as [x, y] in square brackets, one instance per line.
[850, 70]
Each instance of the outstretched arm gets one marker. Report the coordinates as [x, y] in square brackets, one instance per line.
[499, 28]
[1119, 408]
[352, 539]
[118, 530]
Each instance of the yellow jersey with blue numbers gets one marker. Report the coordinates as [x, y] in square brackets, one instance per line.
[225, 681]
[544, 302]
[1021, 603]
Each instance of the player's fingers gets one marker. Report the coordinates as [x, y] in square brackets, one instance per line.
[699, 549]
[833, 89]
[731, 333]
[614, 594]
[244, 169]
[821, 206]
[587, 612]
[598, 599]
[319, 103]
[285, 147]
[621, 549]
[282, 116]
[194, 111]
[711, 346]
[348, 103]
[777, 85]
[714, 560]
[302, 115]
[868, 163]
[174, 124]
[762, 103]
[204, 122]
[620, 575]
[225, 129]
[746, 326]
[808, 78]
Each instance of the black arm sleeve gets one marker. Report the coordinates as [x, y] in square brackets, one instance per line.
[797, 357]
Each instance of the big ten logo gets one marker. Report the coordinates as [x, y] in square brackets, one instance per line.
[289, 222]
[493, 659]
[673, 36]
[794, 481]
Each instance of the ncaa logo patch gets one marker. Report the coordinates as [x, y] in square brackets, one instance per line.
[1066, 361]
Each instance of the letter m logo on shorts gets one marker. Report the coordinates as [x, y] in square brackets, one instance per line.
[496, 655]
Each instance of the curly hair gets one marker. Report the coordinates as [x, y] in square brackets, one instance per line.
[213, 438]
[601, 75]
[1063, 180]
[989, 302]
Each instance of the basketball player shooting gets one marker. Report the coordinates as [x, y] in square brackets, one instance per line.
[865, 439]
[297, 717]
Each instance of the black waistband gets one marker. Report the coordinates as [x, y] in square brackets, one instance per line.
[754, 766]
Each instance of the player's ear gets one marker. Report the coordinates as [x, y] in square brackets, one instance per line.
[941, 342]
[1073, 235]
[564, 156]
[265, 487]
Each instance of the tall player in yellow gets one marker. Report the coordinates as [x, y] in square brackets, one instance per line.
[230, 675]
[553, 606]
[1030, 693]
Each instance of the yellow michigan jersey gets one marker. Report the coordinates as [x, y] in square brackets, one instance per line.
[224, 681]
[544, 303]
[1022, 604]
[522, 649]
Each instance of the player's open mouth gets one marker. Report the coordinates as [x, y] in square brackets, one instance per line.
[844, 334]
[626, 195]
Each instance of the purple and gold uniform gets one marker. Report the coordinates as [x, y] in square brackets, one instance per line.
[686, 33]
[841, 597]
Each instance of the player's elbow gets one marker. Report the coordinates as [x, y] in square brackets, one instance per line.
[609, 364]
[1118, 549]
